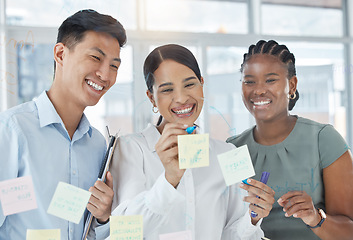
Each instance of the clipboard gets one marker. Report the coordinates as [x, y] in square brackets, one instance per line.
[101, 176]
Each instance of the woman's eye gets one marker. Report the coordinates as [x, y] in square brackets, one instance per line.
[190, 85]
[247, 82]
[270, 80]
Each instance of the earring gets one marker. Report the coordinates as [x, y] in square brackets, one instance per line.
[153, 110]
[293, 96]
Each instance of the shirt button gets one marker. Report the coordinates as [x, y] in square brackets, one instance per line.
[74, 172]
[71, 230]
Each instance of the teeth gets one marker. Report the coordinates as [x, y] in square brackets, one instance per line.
[261, 103]
[183, 111]
[95, 85]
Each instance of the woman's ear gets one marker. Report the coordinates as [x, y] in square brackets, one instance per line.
[293, 85]
[59, 50]
[151, 98]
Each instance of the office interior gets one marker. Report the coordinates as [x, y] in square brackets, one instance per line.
[218, 32]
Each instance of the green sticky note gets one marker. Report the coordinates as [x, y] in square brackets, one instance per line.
[193, 151]
[126, 227]
[43, 234]
[69, 202]
[236, 165]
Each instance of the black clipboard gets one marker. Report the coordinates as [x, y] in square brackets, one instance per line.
[101, 176]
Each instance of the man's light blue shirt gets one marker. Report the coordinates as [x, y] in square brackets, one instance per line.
[34, 141]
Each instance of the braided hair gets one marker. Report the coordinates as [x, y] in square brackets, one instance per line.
[282, 53]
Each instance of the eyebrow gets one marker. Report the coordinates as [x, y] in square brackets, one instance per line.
[169, 83]
[266, 75]
[101, 52]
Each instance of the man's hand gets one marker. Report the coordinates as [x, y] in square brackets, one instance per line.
[100, 202]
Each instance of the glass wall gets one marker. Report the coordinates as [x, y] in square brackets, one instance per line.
[217, 32]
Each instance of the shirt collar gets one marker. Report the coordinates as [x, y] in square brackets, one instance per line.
[151, 135]
[47, 115]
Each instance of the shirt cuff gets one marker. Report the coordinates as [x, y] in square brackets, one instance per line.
[162, 195]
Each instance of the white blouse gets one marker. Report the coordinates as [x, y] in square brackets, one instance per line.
[201, 203]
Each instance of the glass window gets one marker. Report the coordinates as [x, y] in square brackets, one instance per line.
[302, 20]
[35, 68]
[321, 85]
[53, 13]
[226, 114]
[197, 16]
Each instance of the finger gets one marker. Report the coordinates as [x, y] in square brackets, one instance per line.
[258, 201]
[261, 190]
[292, 202]
[166, 143]
[289, 195]
[109, 180]
[296, 208]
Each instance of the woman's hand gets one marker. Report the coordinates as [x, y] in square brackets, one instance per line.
[261, 198]
[300, 205]
[167, 150]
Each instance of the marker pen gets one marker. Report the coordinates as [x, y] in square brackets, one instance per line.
[189, 130]
[264, 178]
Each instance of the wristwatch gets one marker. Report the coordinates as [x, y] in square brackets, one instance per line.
[323, 218]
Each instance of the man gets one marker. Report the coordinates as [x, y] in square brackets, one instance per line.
[51, 139]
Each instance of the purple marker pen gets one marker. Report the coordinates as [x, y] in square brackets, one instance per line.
[264, 178]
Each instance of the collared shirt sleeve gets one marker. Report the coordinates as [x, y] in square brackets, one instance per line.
[131, 196]
[239, 224]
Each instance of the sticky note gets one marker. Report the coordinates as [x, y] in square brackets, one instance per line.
[17, 195]
[126, 227]
[236, 165]
[69, 202]
[43, 234]
[184, 235]
[193, 150]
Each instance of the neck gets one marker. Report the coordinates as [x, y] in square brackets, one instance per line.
[274, 132]
[69, 112]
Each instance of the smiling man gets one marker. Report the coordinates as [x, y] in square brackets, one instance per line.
[51, 139]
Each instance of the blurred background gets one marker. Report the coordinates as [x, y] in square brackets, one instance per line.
[218, 32]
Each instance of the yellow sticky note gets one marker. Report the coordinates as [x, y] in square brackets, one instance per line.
[69, 202]
[43, 234]
[126, 227]
[236, 165]
[193, 150]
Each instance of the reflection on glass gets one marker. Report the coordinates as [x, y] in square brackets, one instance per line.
[53, 12]
[226, 113]
[35, 68]
[197, 16]
[301, 21]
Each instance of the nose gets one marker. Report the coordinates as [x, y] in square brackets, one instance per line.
[260, 89]
[104, 72]
[180, 96]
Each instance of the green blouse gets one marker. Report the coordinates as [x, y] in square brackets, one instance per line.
[296, 164]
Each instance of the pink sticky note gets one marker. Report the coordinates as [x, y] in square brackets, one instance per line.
[17, 195]
[185, 235]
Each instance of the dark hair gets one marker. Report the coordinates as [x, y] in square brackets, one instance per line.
[173, 52]
[72, 30]
[282, 53]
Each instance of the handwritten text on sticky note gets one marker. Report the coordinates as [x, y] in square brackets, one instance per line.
[193, 150]
[69, 202]
[126, 227]
[43, 234]
[17, 195]
[185, 235]
[236, 165]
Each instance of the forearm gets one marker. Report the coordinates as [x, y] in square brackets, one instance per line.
[335, 227]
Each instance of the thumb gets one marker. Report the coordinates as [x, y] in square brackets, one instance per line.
[109, 180]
